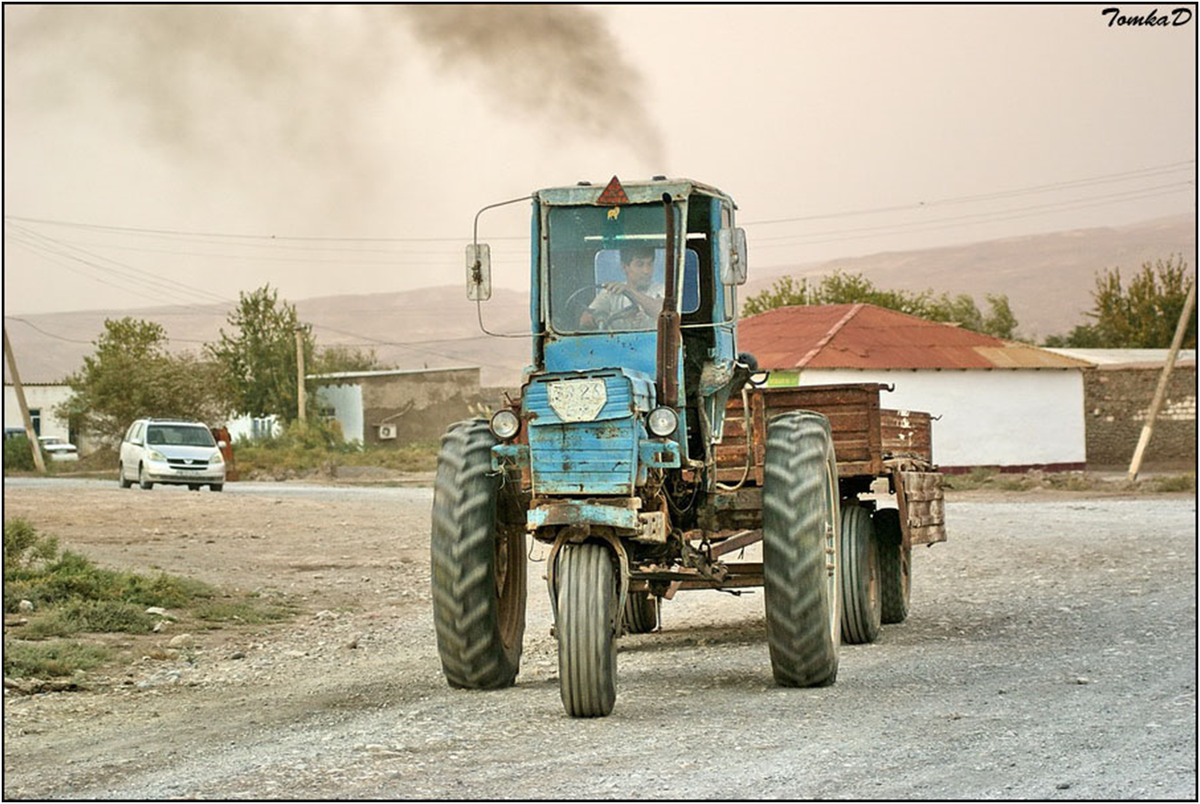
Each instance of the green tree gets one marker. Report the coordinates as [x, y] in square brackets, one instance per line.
[999, 320]
[333, 359]
[131, 375]
[846, 288]
[1142, 315]
[258, 360]
[784, 292]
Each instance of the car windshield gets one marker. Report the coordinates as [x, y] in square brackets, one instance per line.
[179, 435]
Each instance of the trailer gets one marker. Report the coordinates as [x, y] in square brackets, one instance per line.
[646, 452]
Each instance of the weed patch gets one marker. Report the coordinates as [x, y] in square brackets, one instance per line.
[251, 612]
[57, 658]
[70, 595]
[1176, 483]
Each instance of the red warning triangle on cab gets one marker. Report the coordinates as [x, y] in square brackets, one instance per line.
[613, 194]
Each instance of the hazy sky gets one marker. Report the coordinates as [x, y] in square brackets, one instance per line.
[196, 151]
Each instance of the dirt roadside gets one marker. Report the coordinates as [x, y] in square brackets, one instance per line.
[1050, 654]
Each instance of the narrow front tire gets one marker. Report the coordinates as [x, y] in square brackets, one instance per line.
[586, 605]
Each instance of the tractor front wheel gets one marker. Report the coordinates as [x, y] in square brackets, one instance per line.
[641, 613]
[587, 651]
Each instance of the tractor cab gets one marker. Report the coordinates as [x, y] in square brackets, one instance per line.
[633, 314]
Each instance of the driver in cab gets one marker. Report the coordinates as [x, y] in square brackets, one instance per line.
[632, 304]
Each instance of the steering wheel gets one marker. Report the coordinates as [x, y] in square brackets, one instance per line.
[603, 320]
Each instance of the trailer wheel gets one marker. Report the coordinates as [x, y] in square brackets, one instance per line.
[478, 565]
[800, 542]
[895, 566]
[587, 655]
[641, 613]
[861, 611]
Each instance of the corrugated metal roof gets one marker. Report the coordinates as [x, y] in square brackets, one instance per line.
[358, 375]
[864, 336]
[1120, 357]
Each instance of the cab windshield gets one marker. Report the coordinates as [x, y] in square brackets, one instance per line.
[606, 268]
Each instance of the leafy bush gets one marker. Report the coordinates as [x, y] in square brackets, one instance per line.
[17, 454]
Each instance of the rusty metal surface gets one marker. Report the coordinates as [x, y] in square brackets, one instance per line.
[870, 337]
[907, 433]
[854, 417]
[921, 500]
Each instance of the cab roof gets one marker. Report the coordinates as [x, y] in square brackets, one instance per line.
[638, 192]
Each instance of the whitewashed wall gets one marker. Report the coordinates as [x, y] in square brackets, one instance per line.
[1002, 417]
[251, 428]
[39, 397]
[346, 401]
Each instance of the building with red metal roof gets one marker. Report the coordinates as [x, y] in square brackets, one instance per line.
[999, 403]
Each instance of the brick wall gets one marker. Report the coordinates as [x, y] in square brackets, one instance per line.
[1117, 403]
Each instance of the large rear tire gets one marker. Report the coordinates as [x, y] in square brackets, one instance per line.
[860, 577]
[641, 613]
[895, 566]
[587, 654]
[478, 564]
[800, 541]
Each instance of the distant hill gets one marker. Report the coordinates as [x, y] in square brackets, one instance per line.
[439, 324]
[1048, 279]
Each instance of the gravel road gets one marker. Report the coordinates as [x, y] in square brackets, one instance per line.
[1050, 654]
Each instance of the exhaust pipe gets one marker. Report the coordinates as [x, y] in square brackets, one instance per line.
[667, 363]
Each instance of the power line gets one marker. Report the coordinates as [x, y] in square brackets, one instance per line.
[995, 215]
[1146, 172]
[1038, 188]
[233, 236]
[44, 332]
[128, 272]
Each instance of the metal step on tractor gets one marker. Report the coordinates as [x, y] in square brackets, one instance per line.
[645, 451]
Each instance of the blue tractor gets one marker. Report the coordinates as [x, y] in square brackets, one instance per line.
[610, 457]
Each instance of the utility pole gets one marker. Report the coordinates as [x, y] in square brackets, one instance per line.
[1161, 391]
[34, 444]
[302, 394]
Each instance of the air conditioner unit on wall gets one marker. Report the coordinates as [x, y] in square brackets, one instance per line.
[387, 432]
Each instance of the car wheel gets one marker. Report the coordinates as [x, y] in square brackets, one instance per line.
[143, 483]
[215, 486]
[124, 481]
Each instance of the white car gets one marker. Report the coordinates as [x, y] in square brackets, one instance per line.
[57, 449]
[171, 451]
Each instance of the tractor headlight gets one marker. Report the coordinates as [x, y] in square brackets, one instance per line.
[662, 421]
[504, 424]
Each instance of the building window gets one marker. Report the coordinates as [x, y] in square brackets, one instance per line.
[36, 415]
[327, 414]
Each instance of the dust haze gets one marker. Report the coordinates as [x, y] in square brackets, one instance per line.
[202, 80]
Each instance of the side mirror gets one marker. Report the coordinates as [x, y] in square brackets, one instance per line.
[732, 244]
[221, 445]
[479, 272]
